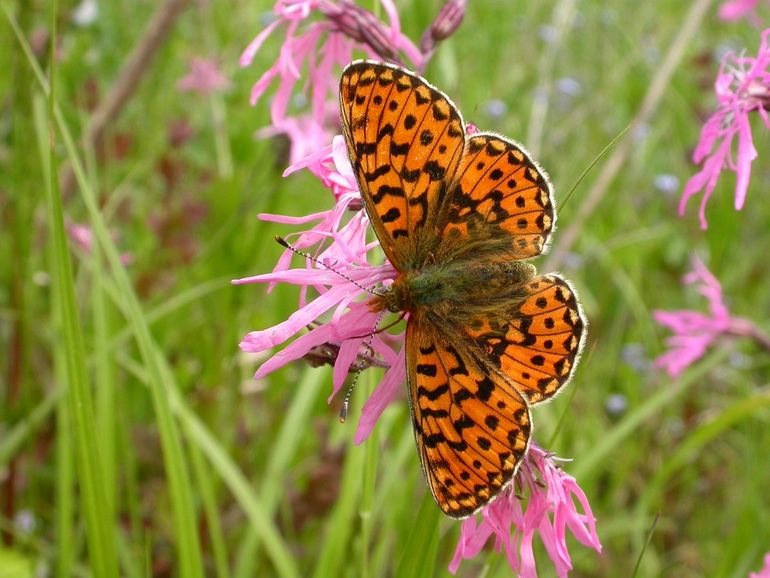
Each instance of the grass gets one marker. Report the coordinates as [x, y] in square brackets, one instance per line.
[133, 439]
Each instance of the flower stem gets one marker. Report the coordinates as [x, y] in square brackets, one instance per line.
[742, 327]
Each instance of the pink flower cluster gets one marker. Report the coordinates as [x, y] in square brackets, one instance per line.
[742, 87]
[338, 275]
[82, 236]
[695, 332]
[338, 272]
[320, 45]
[549, 511]
[204, 77]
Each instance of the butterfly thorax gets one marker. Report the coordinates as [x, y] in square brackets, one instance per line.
[451, 285]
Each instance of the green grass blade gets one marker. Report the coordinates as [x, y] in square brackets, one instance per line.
[65, 484]
[694, 443]
[336, 551]
[655, 403]
[368, 484]
[15, 437]
[418, 558]
[197, 433]
[284, 450]
[209, 500]
[106, 394]
[58, 398]
[183, 509]
[644, 547]
[100, 530]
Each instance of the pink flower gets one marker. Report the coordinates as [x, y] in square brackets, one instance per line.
[742, 86]
[695, 332]
[83, 238]
[305, 133]
[320, 45]
[204, 77]
[765, 571]
[340, 275]
[332, 167]
[737, 9]
[549, 512]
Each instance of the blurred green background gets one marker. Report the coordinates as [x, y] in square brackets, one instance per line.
[155, 433]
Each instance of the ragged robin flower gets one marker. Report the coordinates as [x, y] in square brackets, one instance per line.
[204, 77]
[339, 273]
[320, 35]
[541, 502]
[694, 332]
[742, 87]
[737, 9]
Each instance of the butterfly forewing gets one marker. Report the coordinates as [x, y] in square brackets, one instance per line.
[405, 139]
[501, 201]
[472, 428]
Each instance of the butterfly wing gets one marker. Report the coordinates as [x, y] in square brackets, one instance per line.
[472, 427]
[536, 341]
[405, 139]
[500, 203]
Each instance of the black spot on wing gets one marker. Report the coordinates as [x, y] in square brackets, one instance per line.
[432, 394]
[435, 171]
[393, 214]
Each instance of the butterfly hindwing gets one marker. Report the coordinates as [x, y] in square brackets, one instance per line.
[404, 139]
[472, 428]
[500, 200]
[537, 341]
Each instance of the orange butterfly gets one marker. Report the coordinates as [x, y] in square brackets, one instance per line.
[457, 215]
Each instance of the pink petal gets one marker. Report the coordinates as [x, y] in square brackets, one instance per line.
[257, 341]
[387, 391]
[737, 9]
[261, 85]
[295, 350]
[746, 154]
[251, 50]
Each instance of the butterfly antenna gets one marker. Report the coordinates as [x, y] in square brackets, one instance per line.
[284, 243]
[368, 345]
[592, 164]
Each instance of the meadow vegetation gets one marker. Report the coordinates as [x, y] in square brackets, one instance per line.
[134, 440]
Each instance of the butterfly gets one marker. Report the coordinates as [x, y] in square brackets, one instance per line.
[458, 215]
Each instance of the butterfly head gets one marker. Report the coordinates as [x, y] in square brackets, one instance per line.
[398, 297]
